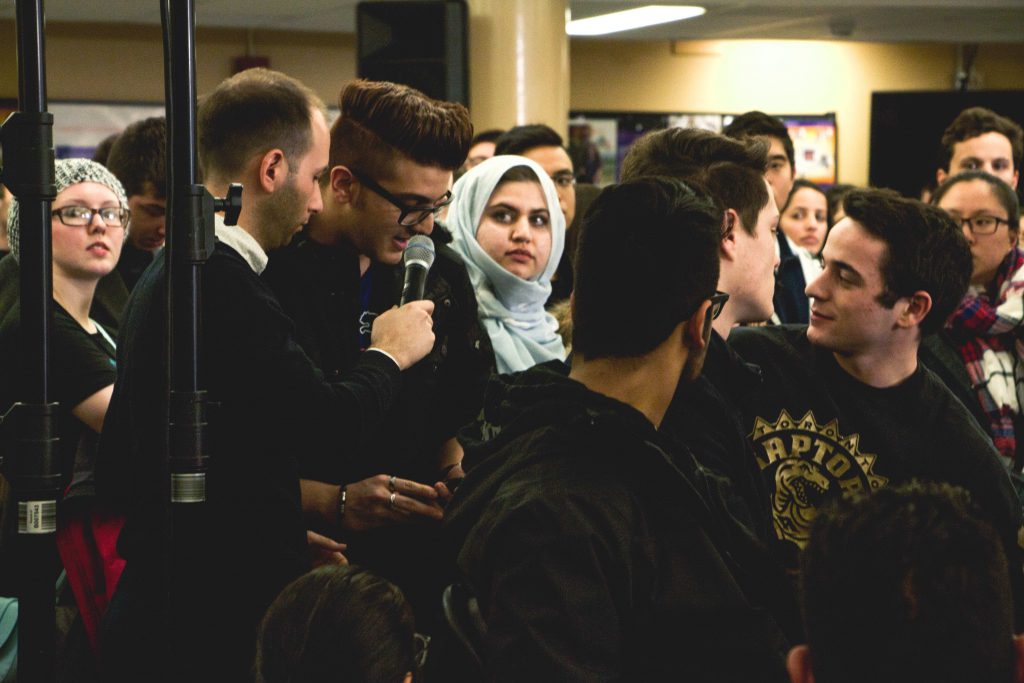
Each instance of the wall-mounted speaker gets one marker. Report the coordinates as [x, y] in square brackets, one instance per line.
[419, 43]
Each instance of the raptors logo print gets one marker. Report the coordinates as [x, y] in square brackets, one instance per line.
[805, 464]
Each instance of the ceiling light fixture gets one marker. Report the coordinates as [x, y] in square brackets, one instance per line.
[630, 19]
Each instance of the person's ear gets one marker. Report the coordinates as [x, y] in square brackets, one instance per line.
[273, 170]
[408, 677]
[341, 183]
[730, 226]
[798, 664]
[940, 176]
[697, 329]
[918, 305]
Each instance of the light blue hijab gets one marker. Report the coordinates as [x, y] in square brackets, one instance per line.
[511, 309]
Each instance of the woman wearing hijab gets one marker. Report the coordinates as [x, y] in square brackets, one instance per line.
[509, 229]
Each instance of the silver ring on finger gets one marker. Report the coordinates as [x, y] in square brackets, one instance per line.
[393, 497]
[392, 486]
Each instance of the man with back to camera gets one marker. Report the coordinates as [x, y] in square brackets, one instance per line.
[592, 554]
[844, 404]
[791, 305]
[908, 584]
[733, 171]
[705, 414]
[236, 551]
[393, 151]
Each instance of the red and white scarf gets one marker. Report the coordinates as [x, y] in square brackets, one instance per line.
[987, 328]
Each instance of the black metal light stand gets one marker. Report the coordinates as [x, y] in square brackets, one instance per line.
[31, 466]
[190, 242]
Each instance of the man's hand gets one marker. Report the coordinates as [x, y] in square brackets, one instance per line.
[323, 550]
[368, 503]
[407, 333]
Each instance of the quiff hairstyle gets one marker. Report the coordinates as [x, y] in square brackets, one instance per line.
[733, 170]
[382, 122]
[975, 121]
[249, 114]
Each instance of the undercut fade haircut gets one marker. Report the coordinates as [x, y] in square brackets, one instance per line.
[975, 121]
[139, 157]
[925, 250]
[524, 138]
[907, 583]
[732, 170]
[382, 122]
[669, 232]
[336, 623]
[757, 123]
[251, 113]
[1004, 194]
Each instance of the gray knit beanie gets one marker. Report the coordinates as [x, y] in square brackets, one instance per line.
[69, 172]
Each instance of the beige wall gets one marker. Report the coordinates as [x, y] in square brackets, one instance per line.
[118, 62]
[125, 63]
[783, 77]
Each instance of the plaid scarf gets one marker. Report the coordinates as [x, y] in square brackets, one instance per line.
[987, 329]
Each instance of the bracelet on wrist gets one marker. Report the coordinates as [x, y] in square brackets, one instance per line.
[342, 492]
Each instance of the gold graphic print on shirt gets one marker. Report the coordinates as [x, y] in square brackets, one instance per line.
[806, 463]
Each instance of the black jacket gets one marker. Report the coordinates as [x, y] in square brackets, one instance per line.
[319, 288]
[238, 550]
[791, 304]
[594, 556]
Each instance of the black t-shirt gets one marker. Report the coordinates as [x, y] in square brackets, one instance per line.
[818, 432]
[80, 365]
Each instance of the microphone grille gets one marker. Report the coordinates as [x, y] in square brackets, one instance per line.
[420, 250]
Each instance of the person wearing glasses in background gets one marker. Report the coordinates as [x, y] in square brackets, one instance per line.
[392, 154]
[978, 354]
[89, 225]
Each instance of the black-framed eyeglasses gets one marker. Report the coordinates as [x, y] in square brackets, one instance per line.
[81, 216]
[410, 215]
[718, 300]
[982, 225]
[420, 649]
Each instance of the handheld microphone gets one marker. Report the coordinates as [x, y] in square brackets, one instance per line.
[419, 256]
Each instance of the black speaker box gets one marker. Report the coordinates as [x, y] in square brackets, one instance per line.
[419, 43]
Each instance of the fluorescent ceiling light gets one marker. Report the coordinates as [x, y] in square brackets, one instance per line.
[629, 19]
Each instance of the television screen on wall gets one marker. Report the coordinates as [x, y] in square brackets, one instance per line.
[906, 129]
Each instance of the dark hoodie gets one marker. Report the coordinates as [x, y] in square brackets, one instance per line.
[594, 556]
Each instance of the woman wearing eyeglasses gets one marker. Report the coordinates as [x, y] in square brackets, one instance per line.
[510, 231]
[985, 330]
[89, 221]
